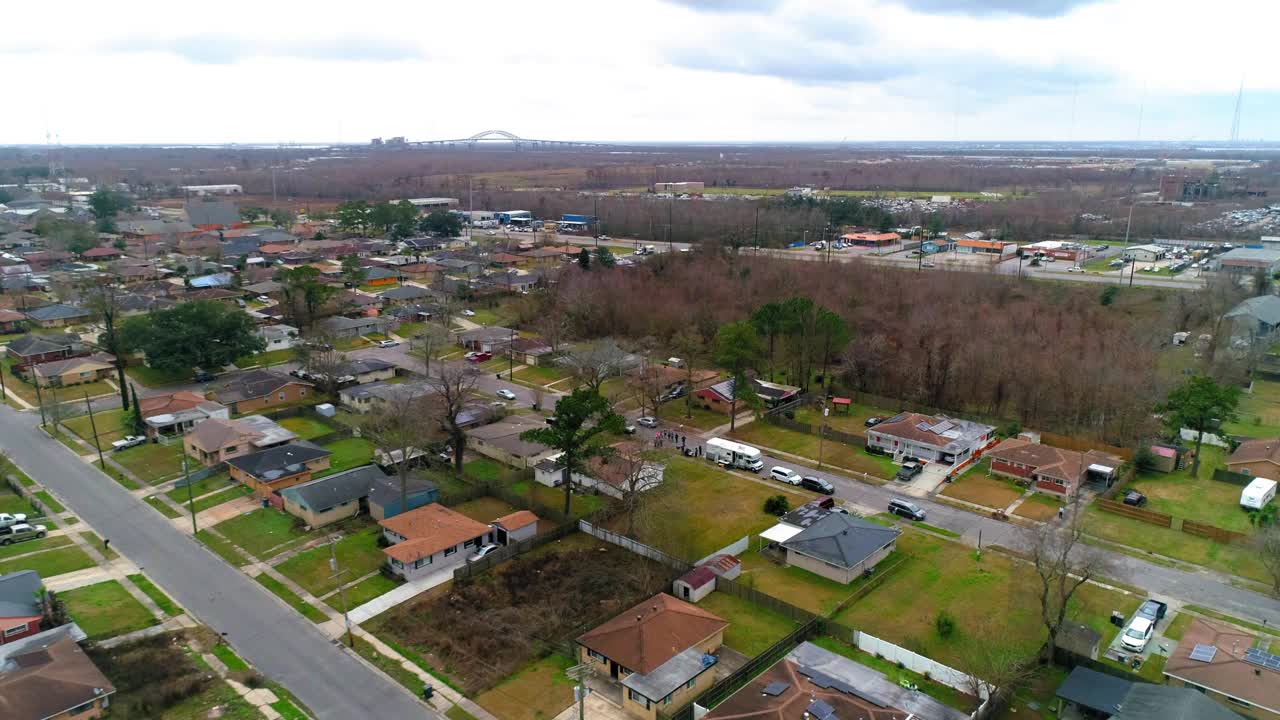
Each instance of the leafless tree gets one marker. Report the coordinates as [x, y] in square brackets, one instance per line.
[431, 343]
[1063, 564]
[1268, 544]
[553, 326]
[322, 361]
[693, 350]
[993, 664]
[103, 300]
[595, 361]
[632, 471]
[454, 387]
[401, 428]
[646, 384]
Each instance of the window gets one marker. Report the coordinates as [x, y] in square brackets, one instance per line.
[637, 698]
[471, 543]
[15, 630]
[281, 395]
[690, 683]
[422, 561]
[1238, 701]
[666, 700]
[396, 563]
[232, 449]
[596, 656]
[302, 392]
[450, 550]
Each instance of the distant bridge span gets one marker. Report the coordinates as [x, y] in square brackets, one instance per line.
[504, 137]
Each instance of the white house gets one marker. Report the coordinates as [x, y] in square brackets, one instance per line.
[939, 439]
[1143, 253]
[624, 472]
[278, 337]
[431, 538]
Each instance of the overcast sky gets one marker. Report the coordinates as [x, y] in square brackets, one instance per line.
[645, 70]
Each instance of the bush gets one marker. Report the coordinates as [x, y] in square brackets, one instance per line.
[1143, 459]
[777, 505]
[944, 624]
[789, 414]
[1108, 295]
[1009, 429]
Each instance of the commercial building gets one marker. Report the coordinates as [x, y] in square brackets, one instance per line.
[432, 204]
[1249, 260]
[514, 217]
[1143, 253]
[1057, 249]
[213, 189]
[996, 249]
[875, 240]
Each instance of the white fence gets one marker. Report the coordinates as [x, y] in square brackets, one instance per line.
[638, 548]
[919, 664]
[736, 548]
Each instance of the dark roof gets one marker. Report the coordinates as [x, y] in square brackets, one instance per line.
[405, 292]
[280, 461]
[253, 384]
[57, 312]
[361, 366]
[131, 302]
[379, 273]
[212, 212]
[339, 488]
[1094, 690]
[47, 674]
[387, 491]
[842, 540]
[240, 246]
[1165, 702]
[33, 344]
[18, 594]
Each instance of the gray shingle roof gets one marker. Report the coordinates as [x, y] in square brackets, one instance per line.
[841, 539]
[253, 384]
[1163, 702]
[336, 489]
[1094, 690]
[280, 461]
[18, 594]
[57, 312]
[406, 292]
[1264, 308]
[29, 345]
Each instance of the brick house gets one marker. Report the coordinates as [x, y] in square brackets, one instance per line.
[73, 371]
[35, 349]
[11, 321]
[1051, 469]
[257, 389]
[49, 676]
[280, 467]
[20, 609]
[662, 651]
[217, 440]
[1259, 458]
[57, 315]
[1229, 667]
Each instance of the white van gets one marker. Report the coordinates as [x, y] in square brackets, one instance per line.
[1257, 494]
[786, 475]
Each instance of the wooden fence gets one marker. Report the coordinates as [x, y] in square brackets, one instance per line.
[741, 590]
[1215, 533]
[1146, 516]
[1190, 527]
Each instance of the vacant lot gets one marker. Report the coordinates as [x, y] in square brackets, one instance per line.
[537, 691]
[153, 462]
[106, 609]
[834, 454]
[527, 604]
[358, 554]
[853, 421]
[700, 508]
[262, 533]
[991, 595]
[485, 509]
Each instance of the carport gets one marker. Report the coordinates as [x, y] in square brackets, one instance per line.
[1093, 694]
[778, 534]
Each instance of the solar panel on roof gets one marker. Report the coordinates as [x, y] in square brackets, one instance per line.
[821, 710]
[942, 427]
[1204, 653]
[827, 682]
[1262, 658]
[774, 689]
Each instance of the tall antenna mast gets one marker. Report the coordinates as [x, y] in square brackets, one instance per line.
[1235, 120]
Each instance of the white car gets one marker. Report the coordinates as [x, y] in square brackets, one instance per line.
[387, 343]
[505, 394]
[469, 313]
[1138, 634]
[486, 550]
[647, 422]
[786, 475]
[1075, 269]
[263, 299]
[6, 519]
[470, 354]
[128, 441]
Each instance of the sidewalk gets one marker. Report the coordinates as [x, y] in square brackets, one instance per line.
[400, 595]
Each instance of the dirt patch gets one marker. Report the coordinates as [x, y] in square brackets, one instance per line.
[983, 490]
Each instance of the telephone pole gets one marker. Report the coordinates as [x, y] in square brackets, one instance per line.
[337, 575]
[93, 426]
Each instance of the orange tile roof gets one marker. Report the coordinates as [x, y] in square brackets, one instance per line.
[169, 403]
[429, 530]
[516, 520]
[651, 633]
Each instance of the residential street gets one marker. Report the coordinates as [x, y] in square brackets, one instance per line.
[274, 638]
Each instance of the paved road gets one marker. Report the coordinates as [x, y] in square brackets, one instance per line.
[1201, 588]
[278, 641]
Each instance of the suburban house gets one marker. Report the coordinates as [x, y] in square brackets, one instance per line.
[268, 288]
[624, 472]
[345, 327]
[73, 371]
[1052, 469]
[102, 254]
[278, 337]
[11, 321]
[487, 339]
[1259, 458]
[1099, 695]
[1228, 666]
[57, 315]
[279, 467]
[431, 538]
[48, 676]
[366, 370]
[149, 233]
[528, 351]
[669, 377]
[937, 439]
[515, 527]
[259, 389]
[351, 492]
[812, 682]
[380, 276]
[501, 441]
[20, 607]
[405, 294]
[835, 545]
[663, 651]
[1257, 317]
[173, 414]
[366, 398]
[35, 349]
[215, 441]
[720, 396]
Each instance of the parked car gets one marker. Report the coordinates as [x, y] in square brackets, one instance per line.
[7, 519]
[1135, 498]
[817, 484]
[786, 475]
[908, 471]
[1104, 247]
[203, 377]
[470, 354]
[647, 421]
[469, 312]
[1075, 269]
[263, 299]
[505, 394]
[21, 532]
[387, 343]
[629, 429]
[128, 441]
[928, 265]
[483, 551]
[872, 421]
[906, 509]
[1153, 610]
[1138, 634]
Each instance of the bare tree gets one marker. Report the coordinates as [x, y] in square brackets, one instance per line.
[400, 427]
[993, 664]
[1063, 564]
[647, 385]
[1268, 543]
[104, 302]
[594, 362]
[631, 471]
[692, 349]
[322, 361]
[431, 344]
[454, 387]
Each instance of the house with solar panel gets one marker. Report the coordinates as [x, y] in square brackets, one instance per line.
[931, 438]
[1230, 666]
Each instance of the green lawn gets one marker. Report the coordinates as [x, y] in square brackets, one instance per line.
[358, 554]
[162, 507]
[348, 453]
[1201, 499]
[983, 489]
[752, 628]
[390, 666]
[792, 584]
[221, 481]
[677, 516]
[110, 424]
[221, 497]
[410, 330]
[456, 712]
[579, 505]
[11, 502]
[292, 599]
[1259, 412]
[854, 422]
[50, 503]
[30, 546]
[541, 375]
[229, 658]
[363, 591]
[153, 462]
[834, 454]
[538, 691]
[484, 509]
[306, 427]
[944, 694]
[106, 609]
[1177, 626]
[222, 548]
[49, 564]
[351, 343]
[485, 470]
[155, 377]
[263, 532]
[488, 316]
[1234, 559]
[994, 594]
[148, 588]
[703, 419]
[265, 359]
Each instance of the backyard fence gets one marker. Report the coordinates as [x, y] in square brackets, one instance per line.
[825, 431]
[200, 473]
[920, 664]
[741, 590]
[1215, 533]
[881, 573]
[634, 546]
[1234, 478]
[1190, 527]
[1147, 516]
[737, 547]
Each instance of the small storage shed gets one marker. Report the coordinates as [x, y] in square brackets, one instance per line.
[518, 526]
[695, 584]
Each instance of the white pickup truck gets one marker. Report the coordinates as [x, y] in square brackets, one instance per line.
[6, 519]
[128, 441]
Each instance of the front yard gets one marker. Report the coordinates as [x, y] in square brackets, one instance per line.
[981, 488]
[48, 564]
[155, 377]
[357, 553]
[541, 375]
[153, 462]
[1235, 559]
[673, 412]
[538, 691]
[262, 533]
[110, 424]
[834, 454]
[106, 610]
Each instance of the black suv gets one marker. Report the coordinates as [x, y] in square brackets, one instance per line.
[908, 471]
[1135, 498]
[817, 484]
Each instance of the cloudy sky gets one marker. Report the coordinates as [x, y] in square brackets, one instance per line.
[646, 70]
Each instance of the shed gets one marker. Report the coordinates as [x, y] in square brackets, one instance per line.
[725, 566]
[1166, 458]
[517, 527]
[695, 584]
[1094, 691]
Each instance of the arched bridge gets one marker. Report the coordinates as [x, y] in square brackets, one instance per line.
[496, 138]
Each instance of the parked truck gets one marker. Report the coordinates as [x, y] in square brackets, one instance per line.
[734, 455]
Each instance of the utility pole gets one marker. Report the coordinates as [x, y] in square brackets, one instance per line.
[1127, 225]
[581, 673]
[4, 392]
[191, 501]
[755, 234]
[511, 356]
[595, 213]
[39, 400]
[93, 426]
[337, 574]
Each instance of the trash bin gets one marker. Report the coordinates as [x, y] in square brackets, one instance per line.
[428, 692]
[265, 503]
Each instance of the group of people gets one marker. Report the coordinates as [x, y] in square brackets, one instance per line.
[662, 437]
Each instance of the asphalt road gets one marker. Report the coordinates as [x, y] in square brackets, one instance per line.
[279, 642]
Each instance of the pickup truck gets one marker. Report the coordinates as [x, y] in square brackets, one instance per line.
[908, 471]
[128, 441]
[20, 532]
[6, 519]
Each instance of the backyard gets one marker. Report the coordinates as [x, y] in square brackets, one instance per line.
[1259, 412]
[793, 585]
[752, 628]
[106, 609]
[485, 509]
[306, 427]
[348, 453]
[1202, 498]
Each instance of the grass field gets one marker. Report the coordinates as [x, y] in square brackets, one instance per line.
[792, 584]
[538, 691]
[229, 658]
[348, 453]
[155, 377]
[358, 554]
[854, 422]
[225, 550]
[484, 469]
[306, 427]
[162, 507]
[213, 483]
[291, 598]
[676, 516]
[942, 693]
[363, 591]
[109, 423]
[151, 462]
[539, 375]
[49, 564]
[980, 488]
[579, 505]
[106, 610]
[1259, 412]
[148, 588]
[1234, 559]
[265, 359]
[834, 454]
[490, 316]
[30, 546]
[50, 503]
[220, 497]
[263, 532]
[752, 628]
[1038, 506]
[1201, 498]
[991, 595]
[11, 503]
[674, 412]
[485, 509]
